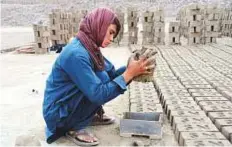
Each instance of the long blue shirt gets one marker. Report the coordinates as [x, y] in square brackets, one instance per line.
[72, 79]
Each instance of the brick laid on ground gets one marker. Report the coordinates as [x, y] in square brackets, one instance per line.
[177, 98]
[220, 115]
[199, 99]
[204, 127]
[217, 108]
[186, 113]
[219, 123]
[170, 108]
[199, 135]
[208, 142]
[178, 102]
[190, 120]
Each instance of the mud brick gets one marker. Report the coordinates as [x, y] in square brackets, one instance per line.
[190, 120]
[176, 86]
[184, 136]
[170, 83]
[151, 101]
[208, 142]
[149, 93]
[186, 113]
[178, 98]
[195, 83]
[199, 99]
[153, 108]
[227, 132]
[171, 89]
[207, 103]
[207, 86]
[207, 94]
[223, 123]
[175, 90]
[220, 115]
[194, 128]
[148, 88]
[178, 102]
[171, 108]
[217, 108]
[183, 94]
[203, 90]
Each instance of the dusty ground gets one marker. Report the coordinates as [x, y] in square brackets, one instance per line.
[21, 108]
[15, 36]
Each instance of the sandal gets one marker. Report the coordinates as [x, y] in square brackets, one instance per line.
[104, 120]
[79, 138]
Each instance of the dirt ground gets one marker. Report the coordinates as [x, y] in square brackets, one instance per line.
[21, 109]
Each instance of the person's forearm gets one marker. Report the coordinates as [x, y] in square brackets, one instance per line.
[127, 76]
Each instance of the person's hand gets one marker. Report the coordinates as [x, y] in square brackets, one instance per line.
[151, 62]
[136, 68]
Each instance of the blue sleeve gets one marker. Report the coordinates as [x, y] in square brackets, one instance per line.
[114, 73]
[111, 69]
[80, 71]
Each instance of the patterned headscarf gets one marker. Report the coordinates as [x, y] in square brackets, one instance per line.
[92, 31]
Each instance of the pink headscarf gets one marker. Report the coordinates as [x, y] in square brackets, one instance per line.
[92, 31]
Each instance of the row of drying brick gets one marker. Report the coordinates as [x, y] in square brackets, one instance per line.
[217, 106]
[189, 122]
[143, 98]
[204, 62]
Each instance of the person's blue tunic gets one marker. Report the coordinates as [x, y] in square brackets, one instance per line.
[75, 91]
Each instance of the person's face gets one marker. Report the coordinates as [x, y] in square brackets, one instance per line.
[110, 33]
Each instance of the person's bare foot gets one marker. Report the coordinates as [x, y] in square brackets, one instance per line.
[82, 137]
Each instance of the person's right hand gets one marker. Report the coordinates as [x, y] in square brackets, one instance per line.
[136, 68]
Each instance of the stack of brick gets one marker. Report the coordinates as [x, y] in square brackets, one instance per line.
[132, 20]
[148, 24]
[227, 22]
[120, 16]
[174, 33]
[74, 22]
[159, 26]
[59, 27]
[211, 28]
[42, 38]
[183, 21]
[194, 23]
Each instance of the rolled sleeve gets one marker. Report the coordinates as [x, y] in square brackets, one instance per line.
[120, 81]
[121, 70]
